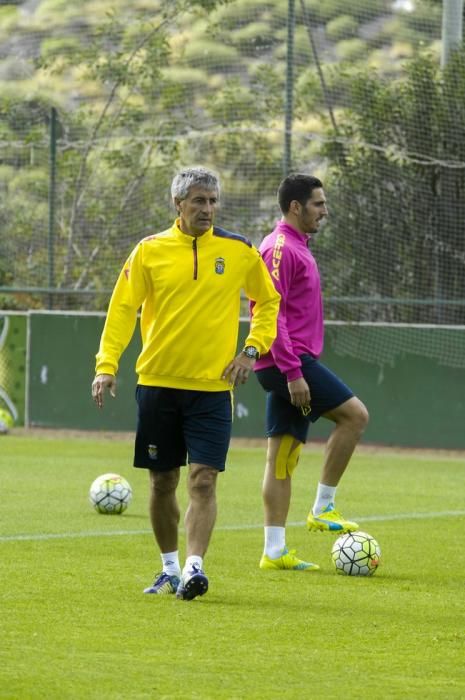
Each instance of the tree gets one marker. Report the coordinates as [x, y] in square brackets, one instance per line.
[117, 149]
[398, 196]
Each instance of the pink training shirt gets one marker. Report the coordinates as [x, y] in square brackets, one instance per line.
[300, 322]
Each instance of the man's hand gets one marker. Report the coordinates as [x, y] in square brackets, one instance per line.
[237, 372]
[100, 383]
[300, 394]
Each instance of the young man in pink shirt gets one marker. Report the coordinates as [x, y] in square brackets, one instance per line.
[299, 388]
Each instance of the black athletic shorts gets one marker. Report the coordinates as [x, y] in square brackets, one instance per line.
[180, 426]
[327, 392]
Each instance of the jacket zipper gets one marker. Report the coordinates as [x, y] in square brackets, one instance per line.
[194, 250]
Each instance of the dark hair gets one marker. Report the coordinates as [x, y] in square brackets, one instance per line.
[298, 187]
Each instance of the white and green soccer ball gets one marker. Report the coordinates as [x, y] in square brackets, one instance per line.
[110, 494]
[6, 420]
[356, 554]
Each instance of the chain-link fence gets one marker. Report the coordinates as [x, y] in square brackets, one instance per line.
[100, 108]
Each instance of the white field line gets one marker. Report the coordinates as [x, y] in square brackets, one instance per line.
[119, 533]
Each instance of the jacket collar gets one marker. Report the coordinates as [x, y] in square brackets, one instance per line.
[288, 230]
[187, 239]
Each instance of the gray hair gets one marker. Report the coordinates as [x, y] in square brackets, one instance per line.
[192, 177]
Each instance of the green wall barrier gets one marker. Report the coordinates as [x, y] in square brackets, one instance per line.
[410, 378]
[12, 368]
[61, 370]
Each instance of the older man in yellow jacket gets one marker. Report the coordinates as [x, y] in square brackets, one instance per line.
[187, 281]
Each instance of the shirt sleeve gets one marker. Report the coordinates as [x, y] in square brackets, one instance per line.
[127, 298]
[260, 289]
[282, 349]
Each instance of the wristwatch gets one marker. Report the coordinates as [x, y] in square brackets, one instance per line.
[251, 352]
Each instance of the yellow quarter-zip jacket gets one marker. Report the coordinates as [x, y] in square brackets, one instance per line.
[188, 290]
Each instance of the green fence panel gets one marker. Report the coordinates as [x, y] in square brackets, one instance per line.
[61, 369]
[415, 397]
[411, 378]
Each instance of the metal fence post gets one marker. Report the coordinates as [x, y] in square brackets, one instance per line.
[287, 164]
[452, 23]
[51, 205]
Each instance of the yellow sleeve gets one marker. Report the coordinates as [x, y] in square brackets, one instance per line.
[259, 288]
[127, 298]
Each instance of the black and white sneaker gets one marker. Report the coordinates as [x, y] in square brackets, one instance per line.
[192, 584]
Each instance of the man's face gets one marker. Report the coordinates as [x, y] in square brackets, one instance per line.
[197, 210]
[312, 212]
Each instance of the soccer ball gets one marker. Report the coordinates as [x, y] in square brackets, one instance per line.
[356, 554]
[6, 420]
[110, 494]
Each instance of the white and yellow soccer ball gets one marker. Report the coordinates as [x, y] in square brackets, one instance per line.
[356, 554]
[110, 494]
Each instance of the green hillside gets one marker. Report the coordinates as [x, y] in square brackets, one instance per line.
[204, 40]
[102, 100]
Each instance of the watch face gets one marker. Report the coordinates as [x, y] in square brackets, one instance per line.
[251, 352]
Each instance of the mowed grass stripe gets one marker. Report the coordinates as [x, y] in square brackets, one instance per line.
[75, 624]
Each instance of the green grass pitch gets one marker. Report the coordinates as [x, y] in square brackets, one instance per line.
[75, 624]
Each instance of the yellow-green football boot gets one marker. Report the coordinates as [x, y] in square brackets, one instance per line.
[330, 520]
[287, 560]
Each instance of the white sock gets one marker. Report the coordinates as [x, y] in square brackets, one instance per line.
[193, 560]
[324, 496]
[170, 562]
[275, 541]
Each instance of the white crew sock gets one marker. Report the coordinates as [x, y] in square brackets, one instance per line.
[193, 560]
[275, 541]
[324, 496]
[170, 562]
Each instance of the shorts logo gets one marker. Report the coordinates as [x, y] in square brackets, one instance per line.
[153, 451]
[219, 266]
